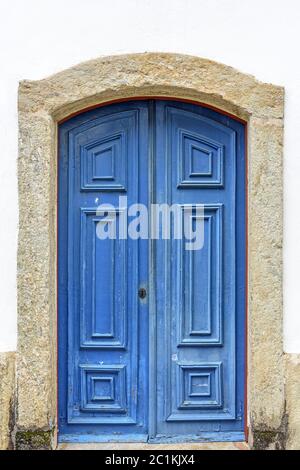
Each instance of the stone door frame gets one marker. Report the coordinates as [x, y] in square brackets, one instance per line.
[45, 103]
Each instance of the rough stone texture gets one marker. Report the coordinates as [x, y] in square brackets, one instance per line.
[34, 440]
[7, 387]
[173, 75]
[266, 366]
[41, 105]
[36, 370]
[292, 362]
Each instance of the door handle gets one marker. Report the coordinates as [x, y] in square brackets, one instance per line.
[142, 292]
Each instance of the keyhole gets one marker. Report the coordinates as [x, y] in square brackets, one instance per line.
[142, 292]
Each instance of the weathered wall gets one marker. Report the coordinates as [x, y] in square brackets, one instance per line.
[7, 391]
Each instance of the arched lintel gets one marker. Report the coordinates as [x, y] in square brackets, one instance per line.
[166, 75]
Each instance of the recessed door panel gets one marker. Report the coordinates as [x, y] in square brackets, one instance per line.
[103, 285]
[200, 290]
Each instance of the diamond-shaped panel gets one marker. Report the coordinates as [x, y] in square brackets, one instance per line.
[200, 161]
[103, 164]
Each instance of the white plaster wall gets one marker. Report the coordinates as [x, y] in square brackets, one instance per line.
[38, 38]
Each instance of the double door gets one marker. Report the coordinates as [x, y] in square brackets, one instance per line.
[151, 324]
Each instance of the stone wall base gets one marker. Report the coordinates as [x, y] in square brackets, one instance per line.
[35, 439]
[7, 388]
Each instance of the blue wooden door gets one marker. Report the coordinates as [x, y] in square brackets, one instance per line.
[169, 364]
[103, 353]
[200, 294]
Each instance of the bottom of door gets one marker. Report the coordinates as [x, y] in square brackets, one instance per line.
[203, 437]
[103, 438]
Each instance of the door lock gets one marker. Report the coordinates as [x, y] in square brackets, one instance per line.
[142, 292]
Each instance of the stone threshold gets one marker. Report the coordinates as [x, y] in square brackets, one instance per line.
[145, 446]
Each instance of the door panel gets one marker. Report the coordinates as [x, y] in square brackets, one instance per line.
[199, 389]
[200, 281]
[178, 352]
[103, 263]
[104, 350]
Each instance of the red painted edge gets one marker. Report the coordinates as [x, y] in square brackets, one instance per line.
[57, 287]
[225, 113]
[246, 427]
[144, 98]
